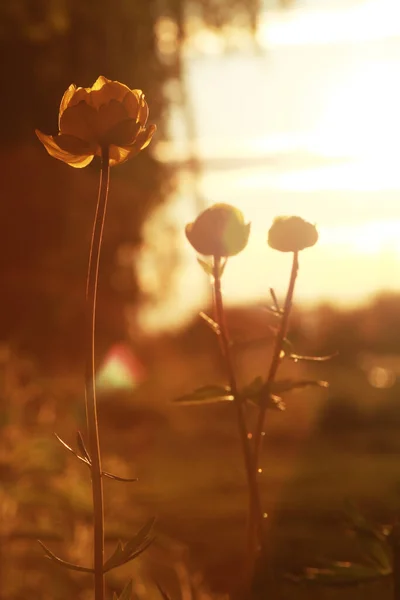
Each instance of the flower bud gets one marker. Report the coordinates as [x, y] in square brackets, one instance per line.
[292, 234]
[219, 231]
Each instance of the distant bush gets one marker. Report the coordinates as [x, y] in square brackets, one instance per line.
[342, 414]
[387, 413]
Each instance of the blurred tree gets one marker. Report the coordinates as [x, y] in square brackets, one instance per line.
[46, 209]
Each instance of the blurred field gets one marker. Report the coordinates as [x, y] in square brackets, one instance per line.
[327, 447]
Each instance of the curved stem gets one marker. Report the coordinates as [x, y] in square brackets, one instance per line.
[276, 357]
[254, 495]
[91, 405]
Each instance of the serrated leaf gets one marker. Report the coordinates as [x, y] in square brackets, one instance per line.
[223, 265]
[81, 458]
[82, 447]
[126, 593]
[207, 267]
[114, 559]
[63, 563]
[139, 551]
[287, 385]
[118, 478]
[276, 307]
[252, 389]
[124, 553]
[142, 537]
[269, 394]
[206, 394]
[128, 556]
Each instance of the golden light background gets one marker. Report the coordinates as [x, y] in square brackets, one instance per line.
[306, 124]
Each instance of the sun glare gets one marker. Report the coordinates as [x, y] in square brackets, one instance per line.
[327, 24]
[316, 134]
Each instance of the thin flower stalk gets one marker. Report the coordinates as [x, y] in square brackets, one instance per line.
[255, 515]
[276, 357]
[91, 405]
[107, 120]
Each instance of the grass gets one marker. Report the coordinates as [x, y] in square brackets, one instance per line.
[191, 477]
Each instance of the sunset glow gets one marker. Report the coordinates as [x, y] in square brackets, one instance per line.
[315, 134]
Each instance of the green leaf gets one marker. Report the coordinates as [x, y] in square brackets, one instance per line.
[126, 593]
[115, 559]
[82, 447]
[117, 478]
[207, 394]
[253, 389]
[81, 458]
[223, 265]
[276, 308]
[142, 537]
[132, 548]
[287, 385]
[299, 357]
[207, 267]
[259, 392]
[63, 563]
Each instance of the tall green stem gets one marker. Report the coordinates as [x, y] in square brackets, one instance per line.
[91, 405]
[276, 357]
[254, 496]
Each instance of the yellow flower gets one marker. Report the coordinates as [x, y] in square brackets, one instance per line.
[219, 231]
[108, 114]
[292, 234]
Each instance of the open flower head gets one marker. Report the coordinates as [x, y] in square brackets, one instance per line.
[219, 231]
[108, 114]
[292, 234]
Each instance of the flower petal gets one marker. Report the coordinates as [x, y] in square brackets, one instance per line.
[144, 111]
[123, 133]
[131, 103]
[119, 154]
[137, 106]
[144, 138]
[80, 94]
[104, 90]
[65, 100]
[74, 145]
[81, 121]
[110, 115]
[70, 150]
[100, 82]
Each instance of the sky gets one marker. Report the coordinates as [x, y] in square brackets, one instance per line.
[308, 125]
